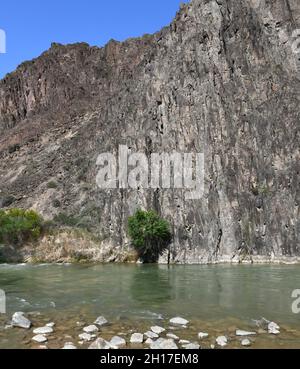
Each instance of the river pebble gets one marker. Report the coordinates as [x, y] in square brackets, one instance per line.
[43, 330]
[242, 333]
[191, 346]
[137, 338]
[158, 330]
[101, 321]
[69, 346]
[273, 328]
[149, 341]
[90, 329]
[39, 338]
[151, 334]
[222, 341]
[117, 342]
[246, 342]
[19, 320]
[172, 336]
[100, 344]
[163, 344]
[179, 321]
[261, 323]
[203, 335]
[86, 337]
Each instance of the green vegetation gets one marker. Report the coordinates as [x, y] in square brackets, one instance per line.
[150, 235]
[66, 220]
[262, 189]
[52, 185]
[18, 226]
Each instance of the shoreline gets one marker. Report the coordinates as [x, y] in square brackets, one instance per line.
[218, 263]
[292, 261]
[78, 246]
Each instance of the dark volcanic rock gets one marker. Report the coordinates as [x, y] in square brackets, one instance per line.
[222, 79]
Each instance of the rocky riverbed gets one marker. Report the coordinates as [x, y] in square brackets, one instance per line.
[37, 331]
[219, 303]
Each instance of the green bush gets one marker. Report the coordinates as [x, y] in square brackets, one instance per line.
[150, 235]
[52, 185]
[18, 226]
[63, 219]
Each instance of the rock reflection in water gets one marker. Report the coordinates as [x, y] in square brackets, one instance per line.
[155, 279]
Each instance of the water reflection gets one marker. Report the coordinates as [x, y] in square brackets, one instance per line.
[195, 292]
[151, 285]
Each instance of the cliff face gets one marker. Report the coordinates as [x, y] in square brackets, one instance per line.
[222, 79]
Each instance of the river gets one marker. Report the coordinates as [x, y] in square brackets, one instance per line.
[215, 299]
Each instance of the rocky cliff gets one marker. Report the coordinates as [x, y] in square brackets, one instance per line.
[222, 79]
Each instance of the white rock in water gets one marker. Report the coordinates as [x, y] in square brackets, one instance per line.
[90, 329]
[69, 346]
[149, 341]
[19, 320]
[202, 335]
[222, 341]
[157, 329]
[100, 344]
[40, 338]
[43, 330]
[179, 321]
[262, 323]
[51, 325]
[101, 321]
[151, 334]
[172, 336]
[242, 333]
[86, 337]
[184, 342]
[246, 342]
[191, 346]
[137, 338]
[117, 341]
[273, 328]
[163, 344]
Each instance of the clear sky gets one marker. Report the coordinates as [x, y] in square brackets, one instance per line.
[32, 25]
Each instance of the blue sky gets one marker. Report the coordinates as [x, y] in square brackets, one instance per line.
[32, 25]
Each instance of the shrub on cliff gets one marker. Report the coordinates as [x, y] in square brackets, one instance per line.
[150, 235]
[67, 220]
[18, 226]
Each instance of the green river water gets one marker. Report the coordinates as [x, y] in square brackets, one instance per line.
[215, 299]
